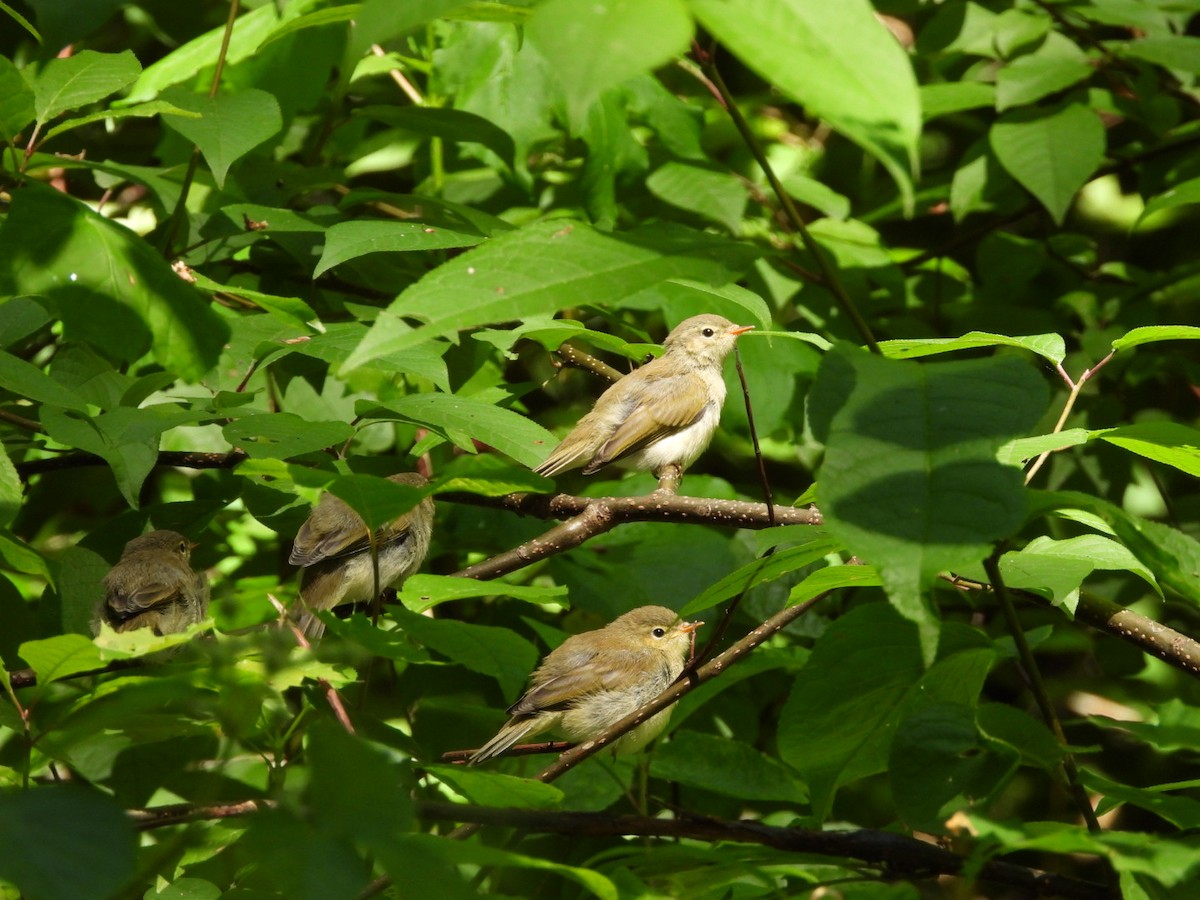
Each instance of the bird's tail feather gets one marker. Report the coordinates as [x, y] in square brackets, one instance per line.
[505, 738]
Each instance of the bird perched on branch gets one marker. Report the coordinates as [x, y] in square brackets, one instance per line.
[334, 548]
[595, 679]
[153, 586]
[662, 414]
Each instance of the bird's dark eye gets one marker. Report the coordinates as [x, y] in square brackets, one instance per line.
[659, 631]
[183, 546]
[708, 332]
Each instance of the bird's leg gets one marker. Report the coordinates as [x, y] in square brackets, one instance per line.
[668, 477]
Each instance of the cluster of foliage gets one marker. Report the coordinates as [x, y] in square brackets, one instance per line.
[254, 251]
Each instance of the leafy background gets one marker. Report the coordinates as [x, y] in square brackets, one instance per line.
[339, 240]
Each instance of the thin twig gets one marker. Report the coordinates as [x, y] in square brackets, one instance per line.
[21, 421]
[1038, 687]
[829, 275]
[180, 211]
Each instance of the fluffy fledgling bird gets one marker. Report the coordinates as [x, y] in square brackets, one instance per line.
[153, 586]
[660, 415]
[595, 679]
[333, 546]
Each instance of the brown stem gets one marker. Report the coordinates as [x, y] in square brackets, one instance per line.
[1037, 686]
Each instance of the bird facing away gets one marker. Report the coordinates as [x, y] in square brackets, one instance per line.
[153, 586]
[661, 414]
[595, 679]
[334, 548]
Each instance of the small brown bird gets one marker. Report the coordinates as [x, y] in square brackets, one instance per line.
[595, 679]
[153, 586]
[333, 545]
[662, 414]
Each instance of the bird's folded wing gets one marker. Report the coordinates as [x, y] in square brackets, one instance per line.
[589, 672]
[663, 407]
[148, 596]
[309, 548]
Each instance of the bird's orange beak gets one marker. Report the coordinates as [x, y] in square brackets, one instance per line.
[690, 627]
[735, 331]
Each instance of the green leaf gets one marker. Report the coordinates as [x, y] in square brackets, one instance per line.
[380, 21]
[833, 578]
[1051, 153]
[938, 755]
[183, 63]
[22, 21]
[377, 500]
[229, 126]
[949, 97]
[1171, 555]
[340, 339]
[1173, 51]
[1182, 812]
[42, 828]
[1171, 443]
[350, 240]
[475, 855]
[353, 789]
[1016, 452]
[290, 310]
[21, 557]
[333, 15]
[422, 592]
[837, 60]
[511, 433]
[818, 545]
[594, 46]
[865, 673]
[27, 380]
[127, 438]
[910, 481]
[1048, 346]
[1186, 193]
[60, 657]
[449, 124]
[540, 269]
[496, 652]
[11, 495]
[1148, 334]
[16, 101]
[284, 435]
[488, 475]
[725, 766]
[717, 196]
[130, 304]
[497, 789]
[74, 81]
[1053, 67]
[139, 111]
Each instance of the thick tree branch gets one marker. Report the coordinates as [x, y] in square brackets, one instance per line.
[570, 355]
[587, 517]
[897, 854]
[179, 813]
[184, 459]
[1173, 647]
